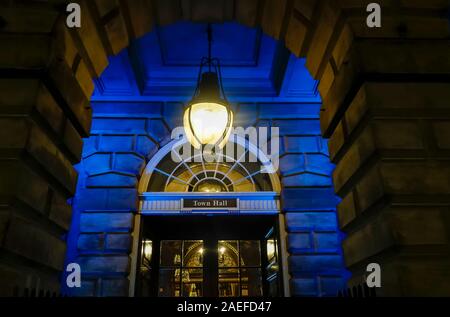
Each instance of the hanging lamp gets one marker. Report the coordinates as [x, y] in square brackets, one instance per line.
[208, 118]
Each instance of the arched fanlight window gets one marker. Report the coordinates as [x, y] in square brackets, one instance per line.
[225, 173]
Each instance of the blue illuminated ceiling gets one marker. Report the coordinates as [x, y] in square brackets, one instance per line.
[163, 65]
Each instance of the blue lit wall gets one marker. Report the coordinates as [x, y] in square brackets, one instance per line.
[308, 199]
[131, 122]
[106, 201]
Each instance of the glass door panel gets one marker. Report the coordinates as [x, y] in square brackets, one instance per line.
[251, 282]
[229, 283]
[181, 268]
[239, 264]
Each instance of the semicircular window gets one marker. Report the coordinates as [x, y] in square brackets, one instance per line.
[240, 172]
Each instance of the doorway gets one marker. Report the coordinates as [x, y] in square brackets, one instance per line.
[209, 256]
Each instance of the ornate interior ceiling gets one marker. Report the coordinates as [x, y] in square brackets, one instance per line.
[163, 65]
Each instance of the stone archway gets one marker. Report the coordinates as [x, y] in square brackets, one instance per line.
[385, 110]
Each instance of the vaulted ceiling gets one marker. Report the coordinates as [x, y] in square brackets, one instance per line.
[164, 64]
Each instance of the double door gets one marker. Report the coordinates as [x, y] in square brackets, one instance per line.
[213, 256]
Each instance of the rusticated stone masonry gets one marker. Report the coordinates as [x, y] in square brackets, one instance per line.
[385, 110]
[308, 200]
[106, 201]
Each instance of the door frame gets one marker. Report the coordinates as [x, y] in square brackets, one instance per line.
[171, 203]
[161, 228]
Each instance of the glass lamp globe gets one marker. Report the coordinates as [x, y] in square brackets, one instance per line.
[207, 123]
[207, 119]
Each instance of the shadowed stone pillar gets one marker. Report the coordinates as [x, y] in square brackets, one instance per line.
[385, 94]
[44, 112]
[388, 117]
[46, 73]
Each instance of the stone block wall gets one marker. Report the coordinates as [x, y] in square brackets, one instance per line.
[395, 199]
[316, 264]
[114, 155]
[385, 99]
[44, 113]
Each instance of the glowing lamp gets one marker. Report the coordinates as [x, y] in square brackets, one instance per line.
[147, 247]
[208, 118]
